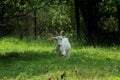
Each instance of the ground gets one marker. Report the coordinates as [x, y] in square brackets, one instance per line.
[36, 60]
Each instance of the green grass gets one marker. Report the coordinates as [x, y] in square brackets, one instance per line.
[36, 60]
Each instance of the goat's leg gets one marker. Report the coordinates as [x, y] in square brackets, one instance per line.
[68, 53]
[58, 51]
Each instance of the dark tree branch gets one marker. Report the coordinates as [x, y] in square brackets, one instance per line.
[24, 14]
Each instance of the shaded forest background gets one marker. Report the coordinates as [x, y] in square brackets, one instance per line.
[87, 21]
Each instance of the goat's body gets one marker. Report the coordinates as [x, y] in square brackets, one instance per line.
[64, 48]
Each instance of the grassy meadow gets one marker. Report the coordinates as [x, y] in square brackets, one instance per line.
[36, 60]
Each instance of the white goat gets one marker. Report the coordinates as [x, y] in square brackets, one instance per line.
[63, 45]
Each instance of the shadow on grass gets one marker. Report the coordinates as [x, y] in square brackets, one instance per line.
[38, 63]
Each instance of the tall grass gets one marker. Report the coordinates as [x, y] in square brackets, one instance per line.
[36, 60]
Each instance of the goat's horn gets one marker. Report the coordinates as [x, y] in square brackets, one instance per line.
[61, 33]
[56, 33]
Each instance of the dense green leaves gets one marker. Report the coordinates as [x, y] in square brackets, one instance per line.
[23, 17]
[108, 12]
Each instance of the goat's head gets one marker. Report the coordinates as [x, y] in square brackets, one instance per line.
[59, 38]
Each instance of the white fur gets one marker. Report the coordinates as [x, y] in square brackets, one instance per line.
[63, 46]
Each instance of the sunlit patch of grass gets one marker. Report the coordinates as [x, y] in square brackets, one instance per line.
[16, 45]
[36, 60]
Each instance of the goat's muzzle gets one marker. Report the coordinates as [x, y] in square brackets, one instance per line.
[59, 45]
[61, 54]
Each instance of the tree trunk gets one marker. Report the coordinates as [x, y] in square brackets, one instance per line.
[118, 11]
[1, 20]
[77, 18]
[90, 16]
[118, 14]
[35, 25]
[31, 25]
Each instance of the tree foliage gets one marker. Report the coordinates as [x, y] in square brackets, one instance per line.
[108, 12]
[43, 18]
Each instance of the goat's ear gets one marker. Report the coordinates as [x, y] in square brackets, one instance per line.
[54, 37]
